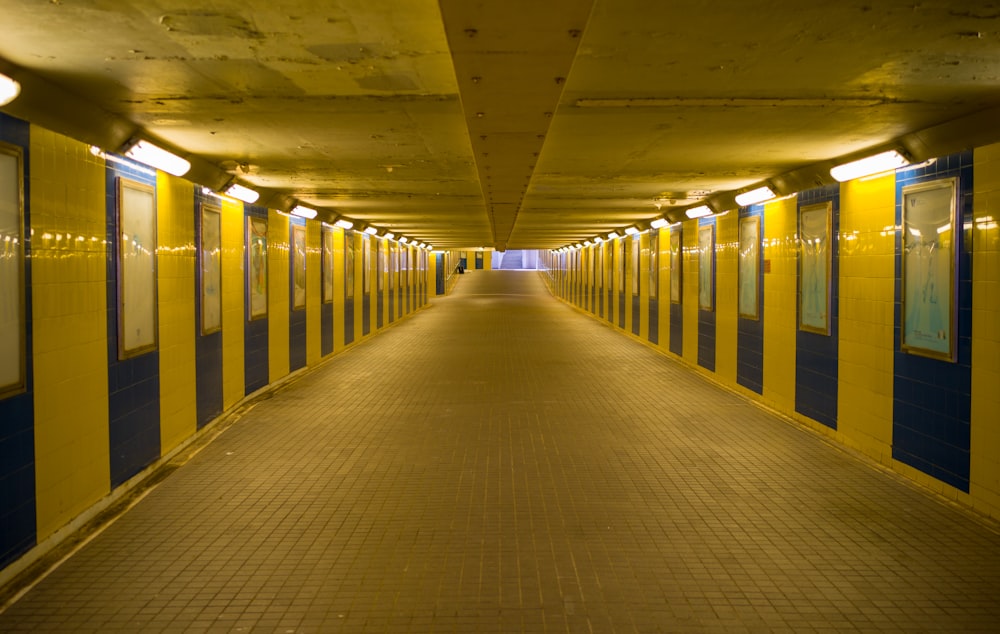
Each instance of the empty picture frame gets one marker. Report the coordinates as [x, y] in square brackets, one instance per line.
[929, 269]
[349, 264]
[257, 267]
[675, 266]
[706, 272]
[815, 264]
[13, 338]
[327, 263]
[298, 267]
[749, 267]
[136, 268]
[210, 256]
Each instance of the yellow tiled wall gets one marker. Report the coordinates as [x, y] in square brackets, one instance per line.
[233, 289]
[175, 268]
[643, 286]
[69, 328]
[865, 348]
[664, 261]
[277, 295]
[780, 302]
[726, 295]
[985, 448]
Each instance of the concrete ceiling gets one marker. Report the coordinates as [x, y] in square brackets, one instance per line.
[508, 123]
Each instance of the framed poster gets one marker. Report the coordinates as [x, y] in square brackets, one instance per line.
[675, 266]
[654, 263]
[349, 264]
[13, 333]
[327, 263]
[366, 258]
[634, 265]
[210, 255]
[929, 268]
[379, 264]
[706, 272]
[298, 267]
[257, 266]
[815, 257]
[749, 267]
[620, 248]
[136, 268]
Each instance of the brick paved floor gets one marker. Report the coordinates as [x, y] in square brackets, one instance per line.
[501, 463]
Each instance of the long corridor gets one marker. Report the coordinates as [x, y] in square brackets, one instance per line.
[502, 463]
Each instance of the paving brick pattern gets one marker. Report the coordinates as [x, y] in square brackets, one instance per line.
[502, 463]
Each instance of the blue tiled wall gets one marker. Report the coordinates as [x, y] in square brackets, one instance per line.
[255, 340]
[296, 318]
[677, 309]
[134, 383]
[17, 413]
[932, 398]
[706, 318]
[208, 348]
[750, 332]
[816, 354]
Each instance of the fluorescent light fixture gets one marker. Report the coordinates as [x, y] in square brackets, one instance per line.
[658, 223]
[630, 231]
[153, 156]
[389, 235]
[699, 211]
[871, 165]
[240, 192]
[370, 230]
[428, 247]
[304, 212]
[578, 245]
[9, 89]
[587, 243]
[598, 239]
[755, 196]
[403, 239]
[613, 235]
[343, 223]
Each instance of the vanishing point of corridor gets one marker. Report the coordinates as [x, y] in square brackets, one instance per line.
[527, 469]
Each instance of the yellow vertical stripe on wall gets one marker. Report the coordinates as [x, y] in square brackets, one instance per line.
[338, 289]
[176, 288]
[233, 315]
[866, 319]
[689, 290]
[985, 442]
[359, 287]
[277, 295]
[726, 295]
[780, 302]
[314, 351]
[69, 328]
[663, 243]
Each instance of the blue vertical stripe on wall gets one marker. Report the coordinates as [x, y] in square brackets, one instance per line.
[439, 273]
[706, 318]
[255, 340]
[133, 383]
[326, 328]
[349, 244]
[750, 332]
[296, 317]
[619, 247]
[208, 348]
[18, 529]
[677, 308]
[377, 285]
[816, 356]
[931, 410]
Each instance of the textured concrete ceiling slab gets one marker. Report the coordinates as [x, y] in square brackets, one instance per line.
[516, 123]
